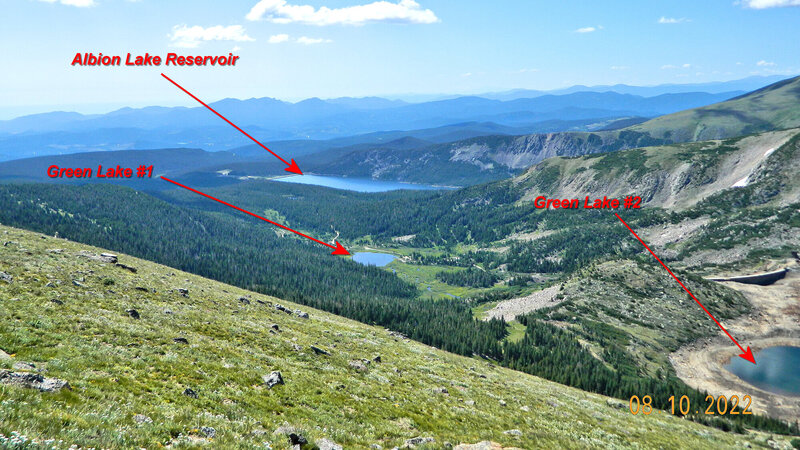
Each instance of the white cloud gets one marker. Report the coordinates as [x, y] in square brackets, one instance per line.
[671, 66]
[236, 48]
[311, 41]
[620, 67]
[278, 38]
[670, 20]
[586, 30]
[78, 3]
[764, 4]
[190, 37]
[404, 11]
[763, 63]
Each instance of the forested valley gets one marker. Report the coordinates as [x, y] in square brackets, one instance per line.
[245, 253]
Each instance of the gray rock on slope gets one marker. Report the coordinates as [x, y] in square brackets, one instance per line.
[189, 392]
[413, 442]
[6, 277]
[358, 365]
[273, 379]
[325, 444]
[33, 381]
[320, 351]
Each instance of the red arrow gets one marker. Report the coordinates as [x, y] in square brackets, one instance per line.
[338, 249]
[292, 166]
[746, 354]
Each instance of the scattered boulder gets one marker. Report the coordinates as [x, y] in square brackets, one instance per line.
[244, 300]
[33, 381]
[525, 408]
[375, 446]
[141, 418]
[56, 301]
[325, 444]
[274, 378]
[21, 365]
[441, 390]
[301, 314]
[275, 327]
[615, 404]
[4, 355]
[108, 257]
[358, 365]
[128, 268]
[208, 432]
[280, 307]
[183, 291]
[514, 432]
[77, 283]
[470, 402]
[140, 288]
[297, 440]
[133, 313]
[189, 392]
[319, 351]
[296, 347]
[6, 277]
[503, 403]
[180, 340]
[414, 442]
[377, 359]
[285, 429]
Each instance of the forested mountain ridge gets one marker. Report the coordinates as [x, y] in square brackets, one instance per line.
[774, 107]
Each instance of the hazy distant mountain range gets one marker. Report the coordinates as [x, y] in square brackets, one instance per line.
[517, 112]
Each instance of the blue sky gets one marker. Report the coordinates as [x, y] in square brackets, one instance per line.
[294, 49]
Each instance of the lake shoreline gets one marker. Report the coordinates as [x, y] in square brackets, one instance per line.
[399, 185]
[773, 321]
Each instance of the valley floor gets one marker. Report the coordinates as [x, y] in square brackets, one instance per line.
[774, 320]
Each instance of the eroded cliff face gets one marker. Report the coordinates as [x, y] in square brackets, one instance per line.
[677, 175]
[524, 151]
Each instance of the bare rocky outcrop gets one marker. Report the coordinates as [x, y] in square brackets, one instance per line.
[510, 309]
[273, 379]
[33, 381]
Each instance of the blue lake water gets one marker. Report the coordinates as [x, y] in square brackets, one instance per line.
[373, 259]
[777, 369]
[355, 184]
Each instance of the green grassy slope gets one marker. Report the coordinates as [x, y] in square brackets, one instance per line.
[66, 313]
[774, 107]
